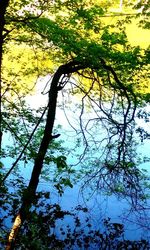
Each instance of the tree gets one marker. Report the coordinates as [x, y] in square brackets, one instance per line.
[106, 67]
[4, 5]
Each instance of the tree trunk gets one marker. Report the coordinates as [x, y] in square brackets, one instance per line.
[3, 6]
[47, 138]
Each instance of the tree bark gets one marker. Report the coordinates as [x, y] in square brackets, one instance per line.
[47, 138]
[3, 7]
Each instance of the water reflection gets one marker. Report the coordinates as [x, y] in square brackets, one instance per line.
[136, 221]
[100, 205]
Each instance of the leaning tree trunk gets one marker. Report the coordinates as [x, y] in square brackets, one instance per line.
[3, 7]
[56, 85]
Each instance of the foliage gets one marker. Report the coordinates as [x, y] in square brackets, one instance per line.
[22, 66]
[47, 227]
[42, 36]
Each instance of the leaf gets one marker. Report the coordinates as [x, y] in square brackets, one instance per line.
[67, 182]
[61, 162]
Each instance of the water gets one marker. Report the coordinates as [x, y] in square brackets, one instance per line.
[100, 205]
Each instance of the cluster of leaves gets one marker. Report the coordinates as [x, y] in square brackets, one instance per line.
[10, 200]
[52, 37]
[29, 57]
[26, 127]
[143, 13]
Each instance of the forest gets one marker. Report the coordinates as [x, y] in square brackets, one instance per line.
[75, 124]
